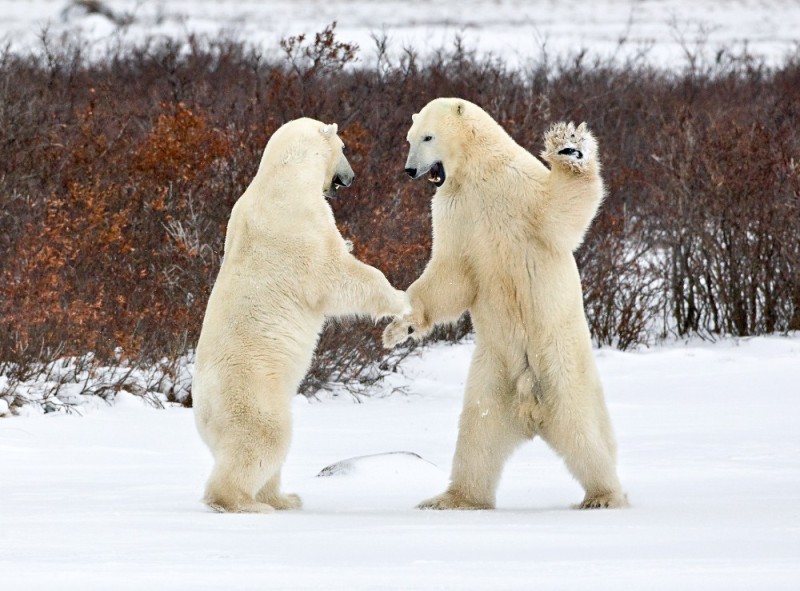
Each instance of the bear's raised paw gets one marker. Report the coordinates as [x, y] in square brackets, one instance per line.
[569, 146]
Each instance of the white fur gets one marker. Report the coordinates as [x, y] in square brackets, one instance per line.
[286, 269]
[504, 228]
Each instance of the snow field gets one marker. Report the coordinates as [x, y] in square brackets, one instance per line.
[709, 455]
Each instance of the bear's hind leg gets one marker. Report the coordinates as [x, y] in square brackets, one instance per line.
[229, 488]
[583, 438]
[488, 432]
[252, 456]
[271, 494]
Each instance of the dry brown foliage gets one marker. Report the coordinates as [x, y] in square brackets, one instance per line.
[117, 177]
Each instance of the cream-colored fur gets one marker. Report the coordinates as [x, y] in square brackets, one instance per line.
[286, 269]
[504, 228]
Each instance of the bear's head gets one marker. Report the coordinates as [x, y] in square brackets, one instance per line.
[314, 149]
[443, 138]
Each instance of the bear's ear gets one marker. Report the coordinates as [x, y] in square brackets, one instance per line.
[459, 108]
[329, 130]
[414, 117]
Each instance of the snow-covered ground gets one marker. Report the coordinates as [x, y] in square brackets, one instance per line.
[709, 455]
[514, 29]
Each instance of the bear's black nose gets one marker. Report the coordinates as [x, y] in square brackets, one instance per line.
[412, 172]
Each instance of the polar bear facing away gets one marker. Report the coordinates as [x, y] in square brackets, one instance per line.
[286, 269]
[504, 229]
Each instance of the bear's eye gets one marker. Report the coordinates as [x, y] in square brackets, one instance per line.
[427, 138]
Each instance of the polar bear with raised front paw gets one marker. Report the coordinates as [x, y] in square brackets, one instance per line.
[286, 269]
[504, 230]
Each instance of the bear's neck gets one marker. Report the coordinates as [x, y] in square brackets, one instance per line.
[490, 160]
[296, 173]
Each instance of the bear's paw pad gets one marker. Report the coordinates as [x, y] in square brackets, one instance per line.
[571, 152]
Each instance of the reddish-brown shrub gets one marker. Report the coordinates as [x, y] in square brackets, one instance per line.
[117, 177]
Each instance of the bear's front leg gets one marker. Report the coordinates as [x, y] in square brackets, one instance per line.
[574, 188]
[358, 288]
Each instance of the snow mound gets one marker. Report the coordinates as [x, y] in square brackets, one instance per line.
[381, 482]
[390, 464]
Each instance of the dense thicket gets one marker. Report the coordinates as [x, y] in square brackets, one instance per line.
[117, 176]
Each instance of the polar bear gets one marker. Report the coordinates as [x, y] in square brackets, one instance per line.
[286, 269]
[504, 230]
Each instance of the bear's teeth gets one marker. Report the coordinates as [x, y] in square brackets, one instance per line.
[435, 179]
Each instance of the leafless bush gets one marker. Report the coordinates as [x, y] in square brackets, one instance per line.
[117, 177]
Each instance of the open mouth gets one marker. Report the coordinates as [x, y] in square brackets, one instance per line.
[436, 174]
[330, 192]
[335, 185]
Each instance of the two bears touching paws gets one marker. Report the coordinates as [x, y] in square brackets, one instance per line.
[504, 230]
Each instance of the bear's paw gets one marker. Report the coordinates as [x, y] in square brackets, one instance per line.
[224, 506]
[610, 500]
[286, 502]
[569, 146]
[397, 331]
[452, 500]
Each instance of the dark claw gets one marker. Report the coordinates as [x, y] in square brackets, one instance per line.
[570, 152]
[410, 330]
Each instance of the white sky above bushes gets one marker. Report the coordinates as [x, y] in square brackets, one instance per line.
[516, 30]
